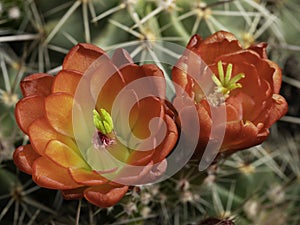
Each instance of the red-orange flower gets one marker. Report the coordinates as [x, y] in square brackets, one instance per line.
[78, 141]
[244, 79]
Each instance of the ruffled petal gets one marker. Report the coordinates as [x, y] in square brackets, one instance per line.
[28, 110]
[81, 56]
[276, 77]
[87, 177]
[240, 135]
[260, 49]
[59, 112]
[47, 174]
[105, 195]
[219, 43]
[23, 157]
[64, 156]
[278, 109]
[37, 84]
[221, 36]
[66, 81]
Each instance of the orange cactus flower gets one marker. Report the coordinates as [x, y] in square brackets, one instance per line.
[217, 72]
[82, 140]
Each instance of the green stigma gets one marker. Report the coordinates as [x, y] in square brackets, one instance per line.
[103, 121]
[225, 83]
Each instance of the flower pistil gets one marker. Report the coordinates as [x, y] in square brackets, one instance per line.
[226, 83]
[104, 125]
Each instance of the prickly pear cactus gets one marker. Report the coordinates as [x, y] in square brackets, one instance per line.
[258, 186]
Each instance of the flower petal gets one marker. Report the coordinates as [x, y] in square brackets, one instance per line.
[205, 119]
[59, 112]
[147, 109]
[66, 81]
[140, 158]
[64, 156]
[28, 110]
[139, 175]
[182, 79]
[37, 84]
[76, 193]
[186, 118]
[41, 132]
[121, 58]
[163, 150]
[276, 77]
[277, 110]
[118, 151]
[81, 56]
[156, 172]
[219, 43]
[23, 157]
[105, 84]
[133, 175]
[240, 135]
[87, 177]
[105, 195]
[47, 174]
[221, 36]
[152, 79]
[260, 49]
[234, 107]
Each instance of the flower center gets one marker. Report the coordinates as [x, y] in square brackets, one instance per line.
[99, 155]
[104, 125]
[103, 121]
[226, 82]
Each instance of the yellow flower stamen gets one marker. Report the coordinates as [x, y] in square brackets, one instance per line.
[226, 83]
